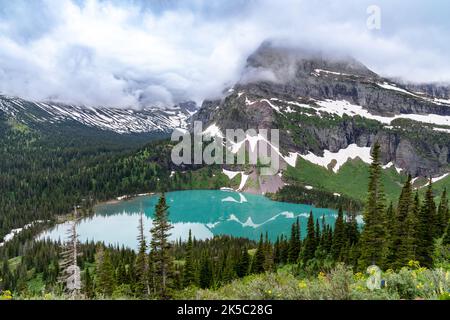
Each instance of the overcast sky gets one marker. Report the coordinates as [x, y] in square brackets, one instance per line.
[133, 53]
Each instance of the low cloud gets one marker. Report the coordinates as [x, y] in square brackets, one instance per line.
[139, 53]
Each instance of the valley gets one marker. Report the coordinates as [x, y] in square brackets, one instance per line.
[335, 116]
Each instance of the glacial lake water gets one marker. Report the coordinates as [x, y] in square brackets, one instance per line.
[205, 212]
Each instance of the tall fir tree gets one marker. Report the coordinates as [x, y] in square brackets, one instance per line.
[142, 285]
[268, 251]
[373, 249]
[189, 271]
[105, 283]
[242, 268]
[318, 233]
[162, 263]
[206, 273]
[88, 285]
[402, 249]
[259, 258]
[426, 228]
[310, 244]
[294, 242]
[442, 215]
[339, 239]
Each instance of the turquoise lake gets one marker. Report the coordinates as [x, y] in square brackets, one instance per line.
[205, 212]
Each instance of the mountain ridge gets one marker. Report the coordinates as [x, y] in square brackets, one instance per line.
[318, 109]
[123, 121]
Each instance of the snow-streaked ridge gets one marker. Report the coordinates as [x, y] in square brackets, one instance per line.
[111, 119]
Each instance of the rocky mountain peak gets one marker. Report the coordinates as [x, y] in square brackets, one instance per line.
[279, 63]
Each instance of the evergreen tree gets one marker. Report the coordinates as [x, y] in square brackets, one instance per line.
[426, 228]
[206, 273]
[310, 244]
[317, 235]
[373, 237]
[402, 250]
[352, 228]
[6, 276]
[160, 247]
[294, 242]
[88, 286]
[339, 239]
[189, 272]
[105, 273]
[442, 214]
[259, 258]
[142, 286]
[243, 265]
[284, 249]
[277, 251]
[268, 251]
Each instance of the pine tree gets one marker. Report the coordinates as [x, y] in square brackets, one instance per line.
[284, 248]
[105, 272]
[268, 251]
[402, 249]
[206, 273]
[317, 235]
[6, 276]
[294, 242]
[352, 228]
[426, 228]
[390, 232]
[277, 251]
[189, 272]
[414, 225]
[339, 239]
[121, 274]
[243, 265]
[142, 286]
[88, 286]
[259, 258]
[442, 215]
[310, 241]
[373, 237]
[160, 247]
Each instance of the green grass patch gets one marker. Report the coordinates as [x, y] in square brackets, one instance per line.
[351, 180]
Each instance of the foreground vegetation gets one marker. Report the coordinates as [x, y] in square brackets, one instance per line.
[340, 283]
[406, 234]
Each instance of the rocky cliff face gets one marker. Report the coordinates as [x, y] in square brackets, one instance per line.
[321, 102]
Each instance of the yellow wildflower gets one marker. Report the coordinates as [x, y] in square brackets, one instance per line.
[414, 264]
[321, 276]
[302, 284]
[6, 295]
[359, 276]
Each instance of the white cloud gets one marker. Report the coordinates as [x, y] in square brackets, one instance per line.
[122, 53]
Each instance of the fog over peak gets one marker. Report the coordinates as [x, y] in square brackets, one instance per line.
[136, 53]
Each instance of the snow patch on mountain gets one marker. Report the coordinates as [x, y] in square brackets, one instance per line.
[122, 121]
[344, 107]
[340, 157]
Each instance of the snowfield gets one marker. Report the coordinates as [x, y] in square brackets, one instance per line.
[341, 157]
[111, 119]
